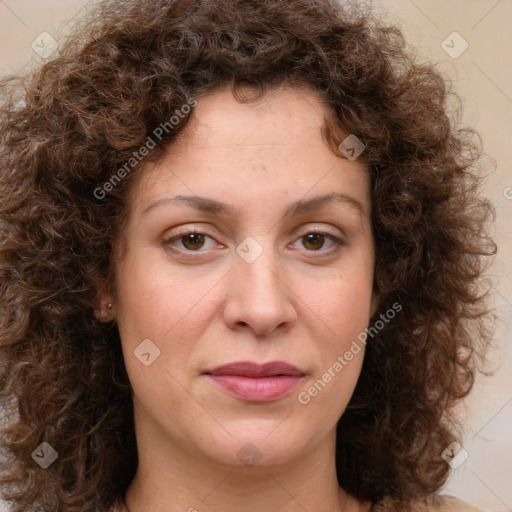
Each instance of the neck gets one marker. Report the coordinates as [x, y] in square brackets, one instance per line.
[174, 480]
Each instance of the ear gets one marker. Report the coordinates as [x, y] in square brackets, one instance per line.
[104, 312]
[104, 305]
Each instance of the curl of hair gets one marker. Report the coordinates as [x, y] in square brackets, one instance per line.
[69, 126]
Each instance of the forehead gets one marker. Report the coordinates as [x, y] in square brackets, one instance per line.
[271, 144]
[285, 112]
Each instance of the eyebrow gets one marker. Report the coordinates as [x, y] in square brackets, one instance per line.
[301, 206]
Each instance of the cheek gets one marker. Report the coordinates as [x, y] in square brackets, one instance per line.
[152, 298]
[149, 310]
[344, 351]
[165, 307]
[351, 307]
[345, 304]
[342, 303]
[351, 296]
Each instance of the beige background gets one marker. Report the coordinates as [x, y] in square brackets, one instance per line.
[482, 75]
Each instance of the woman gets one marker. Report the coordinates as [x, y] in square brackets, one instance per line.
[242, 245]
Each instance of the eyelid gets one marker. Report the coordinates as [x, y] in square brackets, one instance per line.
[180, 233]
[336, 240]
[315, 229]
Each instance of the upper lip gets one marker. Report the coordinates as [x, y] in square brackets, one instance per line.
[250, 369]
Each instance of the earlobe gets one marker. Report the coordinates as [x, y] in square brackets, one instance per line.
[103, 310]
[103, 303]
[104, 313]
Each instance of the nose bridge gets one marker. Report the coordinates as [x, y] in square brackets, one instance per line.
[257, 266]
[259, 298]
[261, 273]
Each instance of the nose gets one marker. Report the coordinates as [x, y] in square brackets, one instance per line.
[258, 298]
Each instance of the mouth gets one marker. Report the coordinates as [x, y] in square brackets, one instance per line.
[252, 382]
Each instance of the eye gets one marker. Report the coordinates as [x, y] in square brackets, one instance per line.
[194, 241]
[313, 241]
[191, 240]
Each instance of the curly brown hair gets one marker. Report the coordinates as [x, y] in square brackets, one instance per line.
[68, 126]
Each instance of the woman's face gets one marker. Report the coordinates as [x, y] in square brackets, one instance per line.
[259, 282]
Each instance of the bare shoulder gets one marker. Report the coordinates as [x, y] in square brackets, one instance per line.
[432, 504]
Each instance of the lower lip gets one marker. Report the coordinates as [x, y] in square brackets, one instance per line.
[260, 389]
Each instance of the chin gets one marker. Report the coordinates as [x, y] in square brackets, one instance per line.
[250, 447]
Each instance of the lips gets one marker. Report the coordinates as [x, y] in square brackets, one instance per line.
[250, 369]
[253, 382]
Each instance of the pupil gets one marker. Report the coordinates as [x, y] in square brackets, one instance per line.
[190, 239]
[312, 238]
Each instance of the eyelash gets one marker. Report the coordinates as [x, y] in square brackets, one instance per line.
[337, 241]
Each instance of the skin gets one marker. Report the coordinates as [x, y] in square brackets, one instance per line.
[203, 305]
